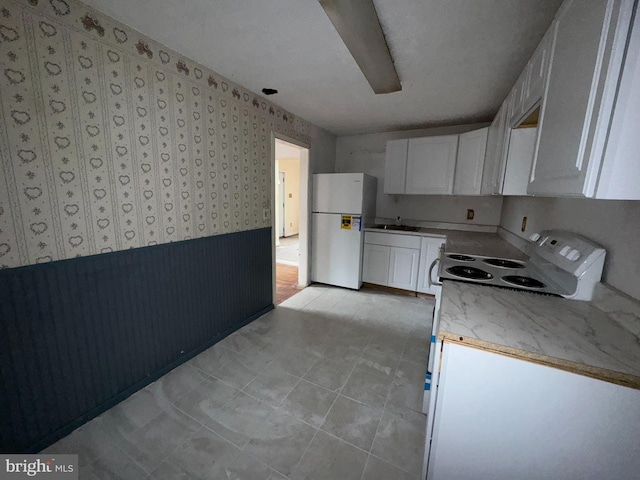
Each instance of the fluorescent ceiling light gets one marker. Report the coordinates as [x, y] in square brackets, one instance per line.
[357, 24]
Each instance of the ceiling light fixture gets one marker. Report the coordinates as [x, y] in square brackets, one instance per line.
[358, 25]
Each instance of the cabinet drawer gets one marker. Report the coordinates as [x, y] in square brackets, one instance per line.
[392, 239]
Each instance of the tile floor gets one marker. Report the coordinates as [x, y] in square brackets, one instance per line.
[327, 386]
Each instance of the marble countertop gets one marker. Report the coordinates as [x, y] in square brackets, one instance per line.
[466, 242]
[572, 335]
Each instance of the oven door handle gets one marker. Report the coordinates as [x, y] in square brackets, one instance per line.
[429, 277]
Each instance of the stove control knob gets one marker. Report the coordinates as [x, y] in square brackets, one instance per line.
[573, 255]
[534, 237]
[564, 250]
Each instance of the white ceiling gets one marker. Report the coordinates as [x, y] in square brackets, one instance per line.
[456, 59]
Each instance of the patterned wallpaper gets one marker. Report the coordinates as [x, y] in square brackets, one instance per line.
[109, 140]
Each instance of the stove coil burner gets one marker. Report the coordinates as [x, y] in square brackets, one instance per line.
[469, 272]
[527, 282]
[461, 258]
[502, 263]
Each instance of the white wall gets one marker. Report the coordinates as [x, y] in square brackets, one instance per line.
[366, 153]
[613, 224]
[322, 153]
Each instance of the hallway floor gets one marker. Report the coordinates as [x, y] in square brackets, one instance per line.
[287, 261]
[288, 252]
[286, 282]
[328, 385]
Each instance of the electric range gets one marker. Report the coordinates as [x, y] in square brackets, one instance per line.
[560, 263]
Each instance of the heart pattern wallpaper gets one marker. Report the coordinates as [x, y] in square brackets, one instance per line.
[112, 141]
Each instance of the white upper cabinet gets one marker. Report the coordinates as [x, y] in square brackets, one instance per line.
[518, 166]
[470, 163]
[516, 99]
[536, 72]
[431, 164]
[438, 165]
[497, 143]
[395, 166]
[620, 172]
[589, 41]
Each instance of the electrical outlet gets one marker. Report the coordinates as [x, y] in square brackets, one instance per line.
[266, 214]
[470, 214]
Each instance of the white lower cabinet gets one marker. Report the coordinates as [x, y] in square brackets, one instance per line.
[504, 418]
[375, 264]
[391, 260]
[403, 268]
[399, 261]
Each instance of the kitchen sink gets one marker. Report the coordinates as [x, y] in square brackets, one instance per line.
[403, 228]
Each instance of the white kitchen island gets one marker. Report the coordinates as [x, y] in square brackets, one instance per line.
[532, 387]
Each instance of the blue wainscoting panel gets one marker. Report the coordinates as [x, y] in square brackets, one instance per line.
[78, 336]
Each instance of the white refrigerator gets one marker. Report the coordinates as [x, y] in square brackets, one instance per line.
[343, 203]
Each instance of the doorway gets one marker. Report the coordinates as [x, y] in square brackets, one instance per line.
[290, 226]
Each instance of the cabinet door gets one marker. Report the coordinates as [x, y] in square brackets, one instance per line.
[495, 157]
[573, 109]
[431, 164]
[470, 162]
[375, 264]
[620, 173]
[395, 166]
[403, 268]
[516, 99]
[537, 70]
[518, 168]
[503, 418]
[428, 253]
